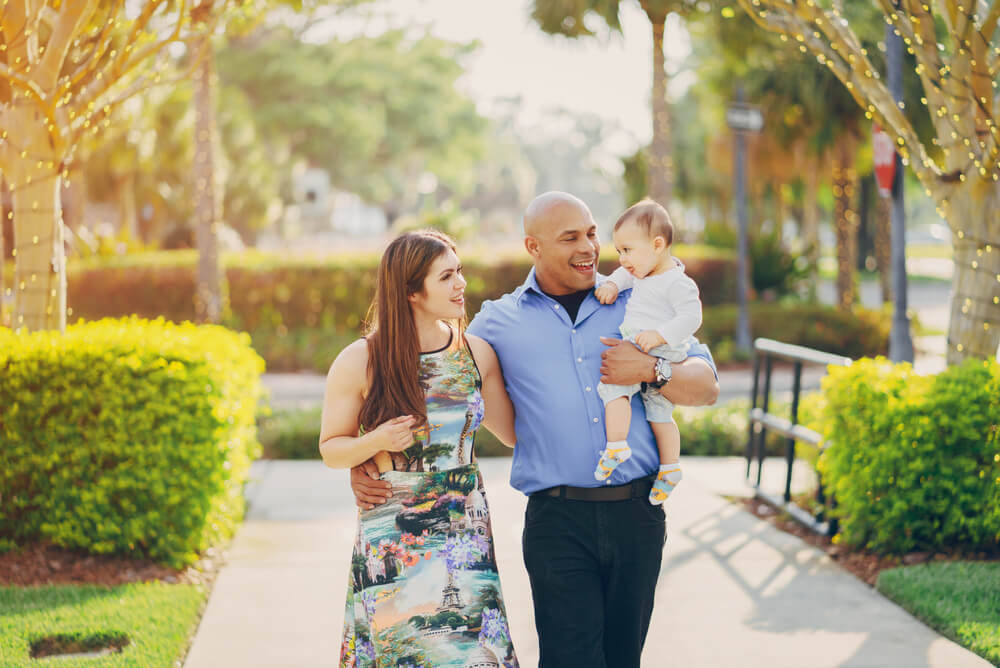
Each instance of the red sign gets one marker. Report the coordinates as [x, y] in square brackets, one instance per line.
[885, 160]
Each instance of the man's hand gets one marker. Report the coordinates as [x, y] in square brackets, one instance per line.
[624, 364]
[369, 490]
[606, 293]
[692, 382]
[649, 339]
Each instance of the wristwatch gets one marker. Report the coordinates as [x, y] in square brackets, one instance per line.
[662, 373]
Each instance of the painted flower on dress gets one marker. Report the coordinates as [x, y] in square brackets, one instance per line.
[368, 598]
[494, 628]
[463, 550]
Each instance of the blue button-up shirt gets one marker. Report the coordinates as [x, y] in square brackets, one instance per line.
[551, 368]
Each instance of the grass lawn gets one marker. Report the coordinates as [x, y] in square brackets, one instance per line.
[959, 599]
[158, 620]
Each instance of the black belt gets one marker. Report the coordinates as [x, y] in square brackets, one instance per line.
[637, 489]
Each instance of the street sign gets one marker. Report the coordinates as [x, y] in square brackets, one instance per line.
[885, 160]
[744, 118]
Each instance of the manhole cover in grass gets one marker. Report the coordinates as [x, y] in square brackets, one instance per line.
[78, 645]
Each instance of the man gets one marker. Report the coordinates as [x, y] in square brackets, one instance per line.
[592, 550]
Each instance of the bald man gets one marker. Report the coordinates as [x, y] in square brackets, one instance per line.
[592, 549]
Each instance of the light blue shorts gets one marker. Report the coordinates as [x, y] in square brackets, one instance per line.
[658, 408]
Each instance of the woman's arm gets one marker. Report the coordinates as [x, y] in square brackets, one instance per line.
[339, 444]
[499, 411]
[692, 382]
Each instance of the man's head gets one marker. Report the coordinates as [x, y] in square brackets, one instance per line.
[561, 236]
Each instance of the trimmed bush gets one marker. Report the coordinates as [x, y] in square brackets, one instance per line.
[913, 461]
[857, 333]
[331, 293]
[126, 436]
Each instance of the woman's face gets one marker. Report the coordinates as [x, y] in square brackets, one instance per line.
[443, 296]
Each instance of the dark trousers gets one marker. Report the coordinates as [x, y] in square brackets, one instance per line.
[593, 568]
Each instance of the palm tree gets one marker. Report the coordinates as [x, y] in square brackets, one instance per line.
[566, 17]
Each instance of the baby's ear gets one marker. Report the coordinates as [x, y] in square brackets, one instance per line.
[660, 243]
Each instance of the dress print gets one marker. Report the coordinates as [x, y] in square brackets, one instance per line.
[423, 589]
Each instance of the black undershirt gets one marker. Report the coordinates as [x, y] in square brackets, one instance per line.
[572, 301]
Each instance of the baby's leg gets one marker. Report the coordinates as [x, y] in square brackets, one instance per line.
[659, 412]
[668, 441]
[617, 416]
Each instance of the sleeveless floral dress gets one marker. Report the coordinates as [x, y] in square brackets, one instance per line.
[423, 589]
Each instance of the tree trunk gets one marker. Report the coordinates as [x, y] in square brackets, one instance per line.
[209, 294]
[974, 327]
[34, 179]
[810, 224]
[845, 222]
[661, 166]
[883, 246]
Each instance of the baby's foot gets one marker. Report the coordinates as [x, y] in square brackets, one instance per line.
[614, 454]
[667, 478]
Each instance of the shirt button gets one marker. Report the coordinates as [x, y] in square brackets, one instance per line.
[555, 306]
[574, 331]
[579, 359]
[588, 388]
[595, 419]
[607, 482]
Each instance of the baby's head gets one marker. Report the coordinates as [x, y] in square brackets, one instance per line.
[643, 236]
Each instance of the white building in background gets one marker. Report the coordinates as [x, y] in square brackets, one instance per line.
[321, 217]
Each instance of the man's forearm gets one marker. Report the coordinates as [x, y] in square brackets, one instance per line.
[692, 383]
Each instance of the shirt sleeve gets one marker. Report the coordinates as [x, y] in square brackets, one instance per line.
[480, 322]
[621, 278]
[683, 295]
[701, 351]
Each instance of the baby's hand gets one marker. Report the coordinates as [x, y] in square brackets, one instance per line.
[606, 293]
[648, 340]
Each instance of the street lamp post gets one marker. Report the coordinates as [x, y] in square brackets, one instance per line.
[742, 119]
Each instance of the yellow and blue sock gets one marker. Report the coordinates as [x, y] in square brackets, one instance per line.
[614, 454]
[666, 479]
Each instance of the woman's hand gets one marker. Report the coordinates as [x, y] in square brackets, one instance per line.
[394, 435]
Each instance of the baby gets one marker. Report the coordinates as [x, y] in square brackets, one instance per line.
[660, 318]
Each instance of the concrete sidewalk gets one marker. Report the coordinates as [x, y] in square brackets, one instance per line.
[733, 590]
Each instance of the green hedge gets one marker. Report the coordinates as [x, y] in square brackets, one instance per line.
[708, 431]
[856, 333]
[913, 461]
[126, 436]
[268, 293]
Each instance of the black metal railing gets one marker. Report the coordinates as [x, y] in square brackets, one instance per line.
[761, 421]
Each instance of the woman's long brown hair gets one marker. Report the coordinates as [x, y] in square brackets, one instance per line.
[393, 345]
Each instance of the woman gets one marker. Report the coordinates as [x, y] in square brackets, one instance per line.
[423, 588]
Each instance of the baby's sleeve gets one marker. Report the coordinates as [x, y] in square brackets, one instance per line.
[683, 296]
[622, 279]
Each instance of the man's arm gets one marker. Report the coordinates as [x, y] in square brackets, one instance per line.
[369, 490]
[692, 382]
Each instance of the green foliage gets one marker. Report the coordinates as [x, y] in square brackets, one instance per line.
[959, 599]
[155, 639]
[853, 334]
[126, 436]
[375, 112]
[914, 461]
[300, 313]
[773, 268]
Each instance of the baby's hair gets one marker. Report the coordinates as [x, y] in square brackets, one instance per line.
[652, 218]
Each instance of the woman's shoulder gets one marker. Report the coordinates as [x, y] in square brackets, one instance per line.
[482, 351]
[353, 359]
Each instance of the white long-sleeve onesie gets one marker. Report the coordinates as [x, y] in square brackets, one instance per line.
[667, 303]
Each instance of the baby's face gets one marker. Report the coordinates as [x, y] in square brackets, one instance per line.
[637, 252]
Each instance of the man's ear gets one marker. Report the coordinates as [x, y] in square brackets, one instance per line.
[532, 246]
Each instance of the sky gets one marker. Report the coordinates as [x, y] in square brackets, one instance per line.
[609, 75]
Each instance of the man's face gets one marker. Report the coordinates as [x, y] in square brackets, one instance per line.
[567, 250]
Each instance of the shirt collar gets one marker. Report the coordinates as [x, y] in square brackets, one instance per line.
[531, 283]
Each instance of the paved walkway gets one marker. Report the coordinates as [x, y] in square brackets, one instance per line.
[733, 590]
